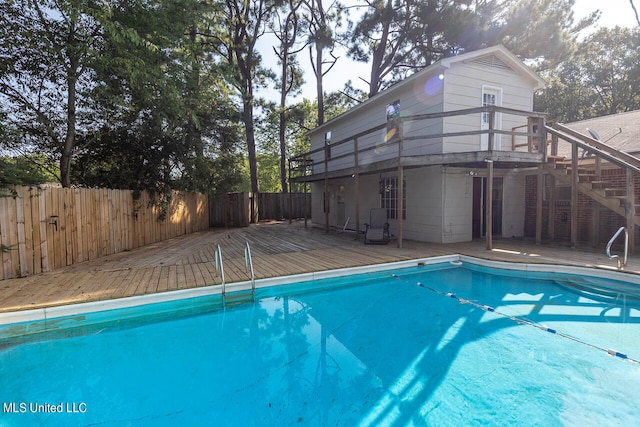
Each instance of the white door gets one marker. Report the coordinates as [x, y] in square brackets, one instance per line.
[490, 96]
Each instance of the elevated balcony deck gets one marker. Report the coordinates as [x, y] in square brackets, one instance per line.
[388, 146]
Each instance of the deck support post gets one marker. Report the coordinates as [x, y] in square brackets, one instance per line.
[488, 207]
[630, 210]
[306, 208]
[574, 195]
[400, 189]
[400, 203]
[326, 187]
[552, 192]
[539, 197]
[356, 177]
[290, 198]
[552, 207]
[595, 209]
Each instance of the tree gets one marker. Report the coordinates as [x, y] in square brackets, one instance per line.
[635, 12]
[610, 63]
[28, 169]
[167, 120]
[383, 37]
[47, 50]
[245, 22]
[601, 78]
[300, 118]
[542, 32]
[286, 31]
[343, 100]
[323, 22]
[400, 37]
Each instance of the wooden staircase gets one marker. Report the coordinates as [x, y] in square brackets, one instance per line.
[589, 184]
[621, 201]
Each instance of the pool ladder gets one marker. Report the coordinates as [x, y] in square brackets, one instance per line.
[623, 262]
[240, 296]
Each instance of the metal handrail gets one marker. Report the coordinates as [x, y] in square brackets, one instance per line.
[249, 265]
[220, 268]
[626, 246]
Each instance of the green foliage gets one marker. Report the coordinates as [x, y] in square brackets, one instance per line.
[6, 249]
[170, 123]
[155, 95]
[400, 37]
[342, 101]
[269, 173]
[47, 51]
[29, 169]
[299, 119]
[145, 106]
[601, 78]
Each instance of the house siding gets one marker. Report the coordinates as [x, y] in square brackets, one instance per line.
[465, 82]
[422, 97]
[425, 207]
[513, 204]
[439, 199]
[458, 197]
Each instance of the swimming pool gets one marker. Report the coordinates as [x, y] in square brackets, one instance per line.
[425, 344]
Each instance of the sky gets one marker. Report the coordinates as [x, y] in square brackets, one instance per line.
[614, 12]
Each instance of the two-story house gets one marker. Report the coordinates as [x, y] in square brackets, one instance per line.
[441, 151]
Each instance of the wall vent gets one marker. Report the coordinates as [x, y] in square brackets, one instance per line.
[492, 61]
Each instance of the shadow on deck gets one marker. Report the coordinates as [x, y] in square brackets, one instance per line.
[278, 249]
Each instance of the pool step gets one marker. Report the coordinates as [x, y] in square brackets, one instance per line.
[238, 298]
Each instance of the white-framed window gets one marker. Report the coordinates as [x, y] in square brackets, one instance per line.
[490, 96]
[389, 197]
[327, 144]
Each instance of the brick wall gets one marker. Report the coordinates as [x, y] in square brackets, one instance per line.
[607, 225]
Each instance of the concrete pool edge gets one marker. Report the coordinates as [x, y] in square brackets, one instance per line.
[54, 312]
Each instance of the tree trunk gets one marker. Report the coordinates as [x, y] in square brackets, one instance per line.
[247, 116]
[283, 121]
[378, 54]
[319, 88]
[69, 141]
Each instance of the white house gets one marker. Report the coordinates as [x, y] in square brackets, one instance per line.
[455, 134]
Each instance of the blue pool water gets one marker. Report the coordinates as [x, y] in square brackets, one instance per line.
[430, 345]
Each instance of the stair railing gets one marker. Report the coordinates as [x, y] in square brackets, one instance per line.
[623, 262]
[249, 265]
[220, 268]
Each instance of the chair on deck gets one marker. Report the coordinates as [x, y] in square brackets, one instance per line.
[377, 230]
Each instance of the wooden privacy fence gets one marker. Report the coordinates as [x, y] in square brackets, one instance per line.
[276, 205]
[234, 209]
[42, 229]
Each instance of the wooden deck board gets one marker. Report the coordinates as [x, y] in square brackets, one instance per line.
[133, 283]
[278, 249]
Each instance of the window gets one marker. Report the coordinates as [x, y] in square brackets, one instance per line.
[491, 96]
[327, 144]
[393, 118]
[389, 197]
[488, 99]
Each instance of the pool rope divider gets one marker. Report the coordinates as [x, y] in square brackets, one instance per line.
[609, 351]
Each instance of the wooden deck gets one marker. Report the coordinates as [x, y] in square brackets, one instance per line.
[278, 249]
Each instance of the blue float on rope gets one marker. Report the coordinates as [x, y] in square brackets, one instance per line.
[616, 353]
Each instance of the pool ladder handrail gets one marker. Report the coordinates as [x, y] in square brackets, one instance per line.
[220, 268]
[623, 262]
[249, 265]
